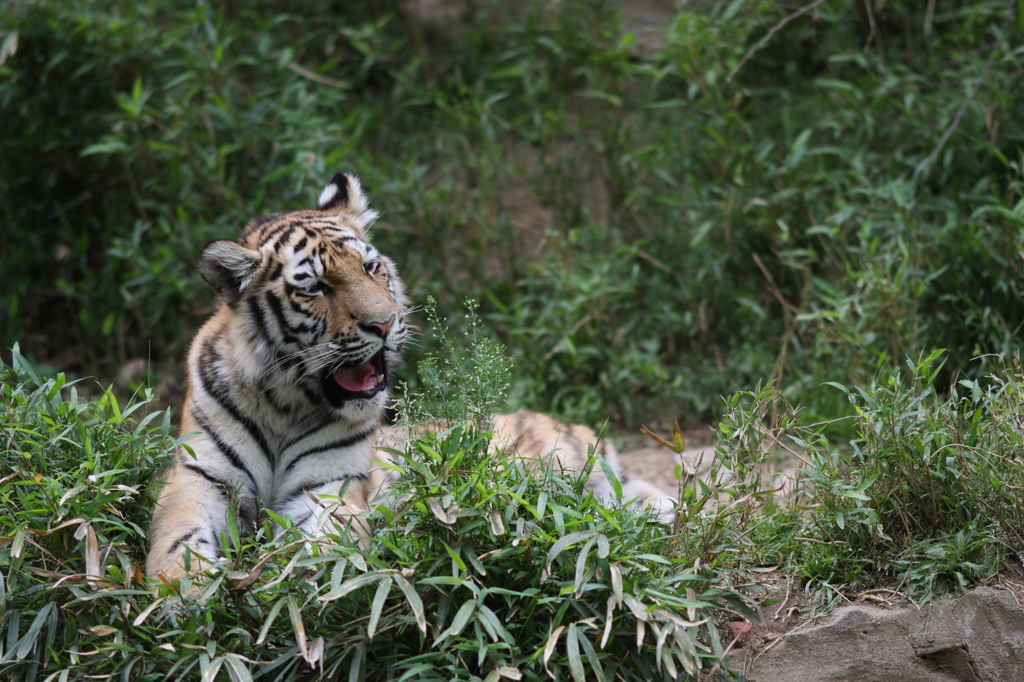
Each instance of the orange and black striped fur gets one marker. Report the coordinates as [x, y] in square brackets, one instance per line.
[287, 380]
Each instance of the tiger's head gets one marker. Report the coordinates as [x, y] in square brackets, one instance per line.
[314, 299]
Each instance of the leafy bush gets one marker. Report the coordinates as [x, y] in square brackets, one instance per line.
[476, 570]
[927, 497]
[78, 479]
[651, 219]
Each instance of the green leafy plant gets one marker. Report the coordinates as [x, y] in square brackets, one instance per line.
[462, 381]
[928, 493]
[653, 214]
[75, 496]
[477, 568]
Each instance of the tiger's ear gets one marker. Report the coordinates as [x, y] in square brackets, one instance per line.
[344, 194]
[228, 268]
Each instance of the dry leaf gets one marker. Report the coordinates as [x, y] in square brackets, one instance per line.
[92, 553]
[442, 514]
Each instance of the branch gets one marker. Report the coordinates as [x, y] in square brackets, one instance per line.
[772, 31]
[925, 166]
[871, 20]
[313, 76]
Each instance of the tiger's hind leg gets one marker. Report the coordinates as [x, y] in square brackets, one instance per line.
[190, 513]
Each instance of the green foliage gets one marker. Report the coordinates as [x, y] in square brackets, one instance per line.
[476, 570]
[928, 493]
[461, 381]
[535, 575]
[650, 220]
[77, 485]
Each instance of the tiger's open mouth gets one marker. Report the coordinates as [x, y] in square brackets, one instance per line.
[356, 382]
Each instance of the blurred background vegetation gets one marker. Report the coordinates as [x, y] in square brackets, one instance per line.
[656, 204]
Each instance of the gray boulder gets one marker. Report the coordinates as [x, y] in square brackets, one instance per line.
[977, 638]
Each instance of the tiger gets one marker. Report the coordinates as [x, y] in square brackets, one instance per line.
[542, 441]
[288, 381]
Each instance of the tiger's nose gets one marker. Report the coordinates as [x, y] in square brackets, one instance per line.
[381, 329]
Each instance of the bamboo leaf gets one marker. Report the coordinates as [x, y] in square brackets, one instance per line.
[456, 558]
[572, 650]
[459, 622]
[316, 652]
[638, 608]
[497, 524]
[141, 618]
[102, 630]
[658, 439]
[383, 589]
[581, 567]
[549, 647]
[353, 583]
[442, 514]
[412, 672]
[18, 544]
[609, 619]
[274, 610]
[237, 669]
[588, 649]
[616, 576]
[613, 480]
[232, 521]
[564, 543]
[495, 624]
[297, 625]
[29, 640]
[415, 603]
[355, 671]
[208, 669]
[92, 553]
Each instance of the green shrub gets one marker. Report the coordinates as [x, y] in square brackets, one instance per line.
[78, 480]
[927, 497]
[647, 229]
[476, 569]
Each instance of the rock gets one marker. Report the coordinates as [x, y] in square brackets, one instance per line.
[977, 638]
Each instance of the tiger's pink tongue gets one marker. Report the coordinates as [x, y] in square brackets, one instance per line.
[360, 378]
